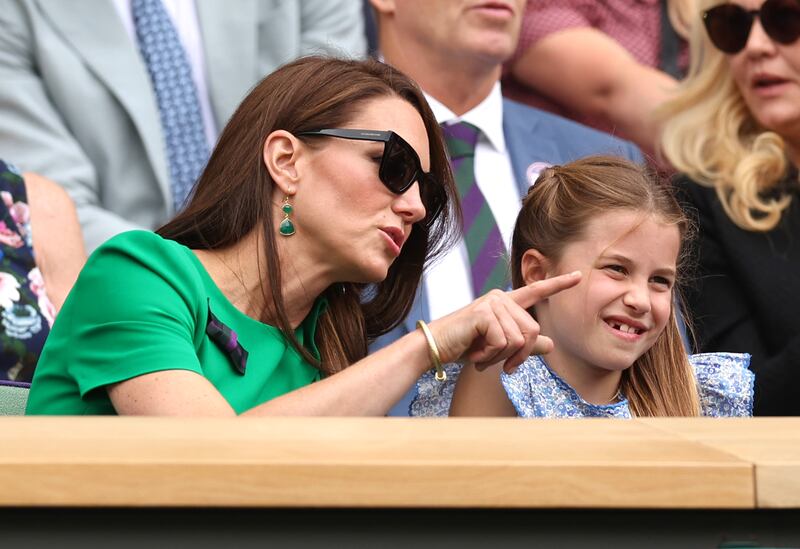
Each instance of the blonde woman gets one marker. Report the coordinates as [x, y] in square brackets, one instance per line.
[734, 132]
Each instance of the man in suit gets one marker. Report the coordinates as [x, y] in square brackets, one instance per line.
[78, 103]
[455, 50]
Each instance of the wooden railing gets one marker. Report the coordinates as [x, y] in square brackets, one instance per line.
[387, 462]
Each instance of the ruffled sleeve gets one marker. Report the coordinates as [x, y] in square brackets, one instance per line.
[725, 384]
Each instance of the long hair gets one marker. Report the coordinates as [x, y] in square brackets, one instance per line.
[709, 134]
[556, 212]
[233, 197]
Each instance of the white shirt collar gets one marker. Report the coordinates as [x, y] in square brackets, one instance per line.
[487, 116]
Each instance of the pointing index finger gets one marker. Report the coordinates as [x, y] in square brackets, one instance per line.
[528, 296]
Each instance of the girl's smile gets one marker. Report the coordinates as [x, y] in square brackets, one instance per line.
[622, 304]
[628, 330]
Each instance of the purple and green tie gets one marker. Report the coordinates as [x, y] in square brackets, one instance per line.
[485, 247]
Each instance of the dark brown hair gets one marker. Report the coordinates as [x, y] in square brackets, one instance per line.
[233, 196]
[556, 212]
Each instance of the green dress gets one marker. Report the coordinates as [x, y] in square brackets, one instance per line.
[141, 305]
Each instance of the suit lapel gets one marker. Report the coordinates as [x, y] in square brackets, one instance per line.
[230, 43]
[94, 30]
[525, 142]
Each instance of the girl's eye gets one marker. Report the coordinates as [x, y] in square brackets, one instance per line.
[661, 281]
[616, 269]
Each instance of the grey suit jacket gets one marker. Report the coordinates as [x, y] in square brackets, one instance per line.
[76, 103]
[532, 136]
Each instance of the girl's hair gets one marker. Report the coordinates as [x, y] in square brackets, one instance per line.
[234, 196]
[710, 135]
[556, 212]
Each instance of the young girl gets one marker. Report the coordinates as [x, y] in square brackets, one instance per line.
[618, 351]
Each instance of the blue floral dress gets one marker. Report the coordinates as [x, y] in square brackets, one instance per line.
[723, 380]
[26, 313]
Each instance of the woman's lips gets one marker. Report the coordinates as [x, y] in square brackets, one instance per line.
[394, 238]
[768, 85]
[495, 9]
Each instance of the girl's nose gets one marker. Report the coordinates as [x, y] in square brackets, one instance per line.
[637, 297]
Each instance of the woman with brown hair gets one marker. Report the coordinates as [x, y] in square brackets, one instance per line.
[618, 351]
[304, 239]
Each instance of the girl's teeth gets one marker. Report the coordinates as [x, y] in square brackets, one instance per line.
[625, 328]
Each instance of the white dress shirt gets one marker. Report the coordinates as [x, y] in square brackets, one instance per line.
[447, 282]
[184, 17]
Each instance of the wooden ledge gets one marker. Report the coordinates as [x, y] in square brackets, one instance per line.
[369, 462]
[772, 445]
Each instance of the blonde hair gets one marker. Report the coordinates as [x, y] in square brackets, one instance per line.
[556, 212]
[709, 134]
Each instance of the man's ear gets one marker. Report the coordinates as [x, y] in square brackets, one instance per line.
[382, 6]
[281, 153]
[534, 267]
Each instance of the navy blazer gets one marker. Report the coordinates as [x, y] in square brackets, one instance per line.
[532, 136]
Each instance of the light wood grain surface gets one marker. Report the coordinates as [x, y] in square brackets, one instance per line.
[772, 445]
[380, 462]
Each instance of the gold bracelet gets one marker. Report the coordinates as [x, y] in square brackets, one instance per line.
[441, 375]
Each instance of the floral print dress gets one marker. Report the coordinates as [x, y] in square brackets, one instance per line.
[26, 313]
[724, 384]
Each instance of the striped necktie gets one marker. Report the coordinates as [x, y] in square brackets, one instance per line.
[176, 95]
[485, 247]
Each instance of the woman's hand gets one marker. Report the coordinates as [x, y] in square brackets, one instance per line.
[497, 327]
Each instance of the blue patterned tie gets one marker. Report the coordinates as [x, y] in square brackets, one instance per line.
[176, 94]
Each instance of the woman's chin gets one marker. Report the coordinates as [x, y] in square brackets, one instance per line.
[783, 120]
[370, 275]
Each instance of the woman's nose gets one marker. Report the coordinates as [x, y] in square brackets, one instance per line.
[409, 204]
[759, 42]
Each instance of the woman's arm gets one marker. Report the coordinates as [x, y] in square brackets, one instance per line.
[57, 239]
[369, 387]
[597, 77]
[495, 328]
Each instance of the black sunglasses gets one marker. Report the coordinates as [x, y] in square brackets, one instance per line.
[728, 25]
[400, 166]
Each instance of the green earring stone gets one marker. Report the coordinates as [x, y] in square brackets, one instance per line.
[287, 227]
[287, 208]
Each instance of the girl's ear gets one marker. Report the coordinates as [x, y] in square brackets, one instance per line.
[535, 266]
[281, 153]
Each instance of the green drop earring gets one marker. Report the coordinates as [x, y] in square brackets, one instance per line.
[287, 227]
